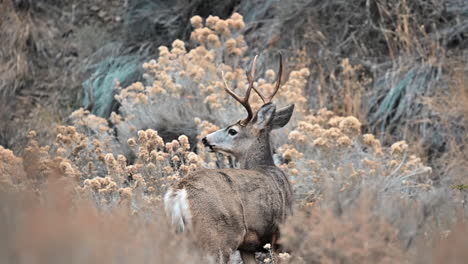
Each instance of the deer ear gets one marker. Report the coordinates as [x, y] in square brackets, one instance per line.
[282, 116]
[265, 116]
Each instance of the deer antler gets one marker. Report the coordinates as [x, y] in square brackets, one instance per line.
[244, 101]
[278, 84]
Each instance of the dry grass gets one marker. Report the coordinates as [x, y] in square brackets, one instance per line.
[93, 193]
[381, 61]
[318, 235]
[55, 225]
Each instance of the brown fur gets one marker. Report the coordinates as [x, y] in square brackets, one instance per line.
[236, 209]
[240, 209]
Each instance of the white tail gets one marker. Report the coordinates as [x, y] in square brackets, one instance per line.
[237, 209]
[177, 208]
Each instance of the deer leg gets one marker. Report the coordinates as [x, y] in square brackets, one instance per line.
[248, 257]
[223, 257]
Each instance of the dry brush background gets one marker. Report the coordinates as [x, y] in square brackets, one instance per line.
[103, 105]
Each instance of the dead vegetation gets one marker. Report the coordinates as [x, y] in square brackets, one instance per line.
[379, 177]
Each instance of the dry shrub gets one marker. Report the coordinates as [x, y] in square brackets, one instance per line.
[326, 147]
[360, 202]
[37, 64]
[58, 211]
[14, 32]
[451, 246]
[373, 35]
[190, 83]
[115, 176]
[330, 160]
[11, 170]
[449, 107]
[385, 62]
[55, 225]
[319, 235]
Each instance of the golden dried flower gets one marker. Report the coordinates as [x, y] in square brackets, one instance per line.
[213, 39]
[320, 142]
[178, 44]
[126, 193]
[193, 167]
[344, 141]
[284, 256]
[335, 121]
[196, 21]
[103, 181]
[122, 160]
[151, 166]
[112, 186]
[169, 147]
[184, 141]
[175, 144]
[292, 153]
[65, 166]
[163, 51]
[184, 169]
[193, 158]
[151, 134]
[304, 73]
[399, 147]
[270, 75]
[230, 44]
[115, 118]
[168, 169]
[95, 184]
[70, 130]
[237, 16]
[139, 180]
[369, 139]
[350, 125]
[141, 99]
[297, 136]
[175, 159]
[109, 158]
[236, 52]
[160, 158]
[32, 134]
[211, 21]
[413, 161]
[332, 133]
[61, 152]
[371, 163]
[294, 171]
[237, 24]
[142, 136]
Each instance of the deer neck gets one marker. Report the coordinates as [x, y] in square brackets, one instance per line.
[258, 154]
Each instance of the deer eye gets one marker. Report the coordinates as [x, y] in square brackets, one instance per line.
[232, 132]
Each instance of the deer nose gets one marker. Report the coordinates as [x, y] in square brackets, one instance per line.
[205, 142]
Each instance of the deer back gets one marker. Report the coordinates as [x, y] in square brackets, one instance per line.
[249, 202]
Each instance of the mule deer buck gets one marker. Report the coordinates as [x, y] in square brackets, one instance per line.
[237, 209]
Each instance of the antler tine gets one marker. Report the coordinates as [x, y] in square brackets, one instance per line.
[243, 101]
[278, 84]
[251, 78]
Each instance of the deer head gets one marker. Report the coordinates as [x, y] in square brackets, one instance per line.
[248, 139]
